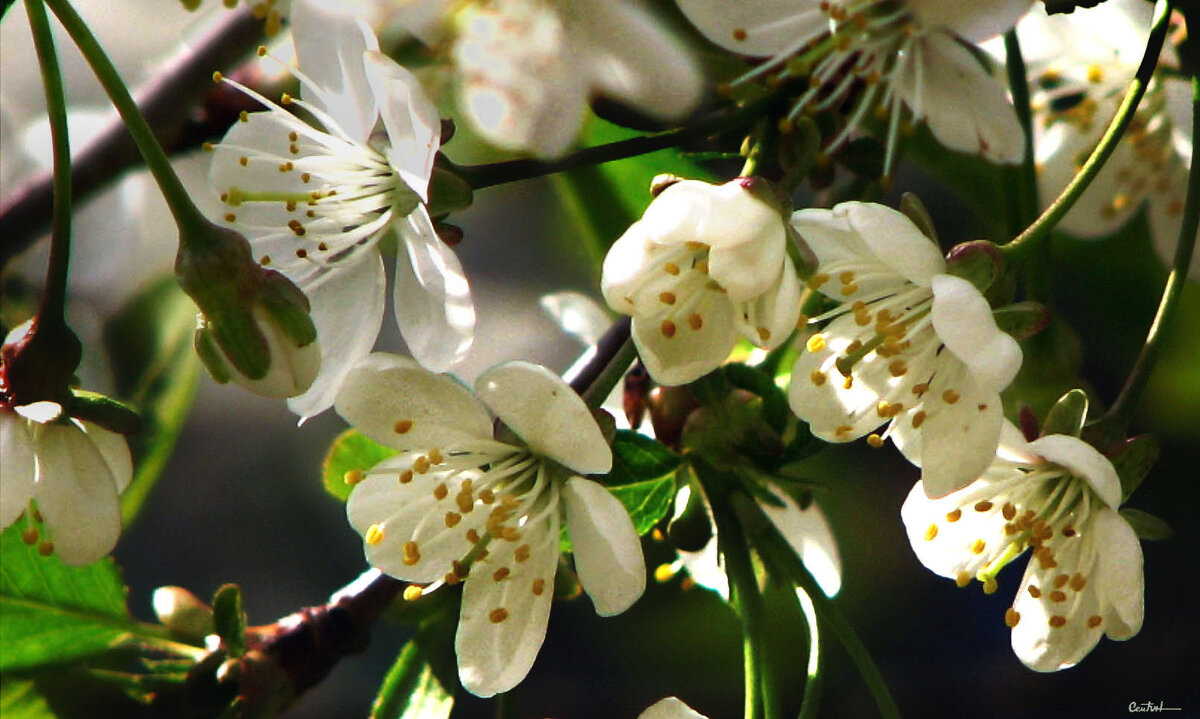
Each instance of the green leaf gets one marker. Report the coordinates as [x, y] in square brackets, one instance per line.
[53, 613]
[647, 502]
[19, 699]
[1146, 525]
[421, 684]
[150, 343]
[351, 451]
[636, 457]
[229, 620]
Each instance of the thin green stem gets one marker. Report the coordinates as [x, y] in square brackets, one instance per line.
[1018, 84]
[499, 173]
[745, 597]
[178, 201]
[51, 312]
[779, 556]
[1122, 409]
[1035, 234]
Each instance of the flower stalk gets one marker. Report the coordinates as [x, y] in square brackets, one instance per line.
[1020, 246]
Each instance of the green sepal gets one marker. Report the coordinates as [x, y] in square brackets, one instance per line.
[1147, 526]
[914, 210]
[978, 262]
[1133, 461]
[351, 451]
[448, 193]
[210, 353]
[229, 620]
[288, 308]
[1067, 415]
[107, 412]
[1022, 319]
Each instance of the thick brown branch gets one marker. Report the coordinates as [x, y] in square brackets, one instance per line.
[167, 101]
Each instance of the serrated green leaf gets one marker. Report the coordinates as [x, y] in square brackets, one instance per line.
[19, 699]
[351, 451]
[156, 371]
[636, 457]
[229, 620]
[52, 613]
[1146, 525]
[421, 684]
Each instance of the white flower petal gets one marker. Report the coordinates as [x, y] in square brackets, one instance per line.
[972, 21]
[809, 535]
[608, 554]
[396, 402]
[944, 532]
[329, 48]
[431, 297]
[670, 708]
[114, 449]
[636, 60]
[547, 414]
[347, 309]
[771, 317]
[410, 118]
[17, 479]
[1119, 574]
[503, 620]
[76, 495]
[828, 235]
[755, 27]
[965, 108]
[419, 527]
[964, 322]
[577, 314]
[959, 437]
[895, 240]
[1081, 460]
[686, 354]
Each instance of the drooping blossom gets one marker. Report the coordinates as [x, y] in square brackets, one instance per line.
[463, 503]
[1057, 497]
[704, 266]
[316, 199]
[909, 345]
[881, 55]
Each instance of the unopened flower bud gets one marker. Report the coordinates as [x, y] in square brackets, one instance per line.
[977, 262]
[182, 612]
[254, 326]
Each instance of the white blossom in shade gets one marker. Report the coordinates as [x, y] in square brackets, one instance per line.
[705, 265]
[901, 53]
[527, 68]
[909, 345]
[458, 505]
[806, 530]
[1080, 67]
[670, 708]
[1057, 497]
[316, 199]
[73, 470]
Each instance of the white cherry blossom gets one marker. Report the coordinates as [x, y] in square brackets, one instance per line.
[670, 708]
[910, 345]
[315, 199]
[73, 470]
[904, 53]
[1057, 497]
[1080, 66]
[526, 69]
[705, 265]
[458, 505]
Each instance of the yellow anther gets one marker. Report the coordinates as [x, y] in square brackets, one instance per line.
[412, 553]
[208, 147]
[898, 368]
[918, 419]
[465, 501]
[452, 519]
[963, 579]
[440, 492]
[539, 586]
[243, 161]
[230, 217]
[875, 440]
[983, 506]
[352, 477]
[816, 343]
[954, 516]
[374, 535]
[1009, 511]
[663, 573]
[293, 136]
[412, 593]
[920, 389]
[667, 328]
[950, 396]
[931, 533]
[815, 282]
[406, 476]
[849, 290]
[498, 615]
[695, 321]
[472, 536]
[217, 76]
[848, 383]
[30, 536]
[522, 553]
[1058, 596]
[487, 496]
[1058, 621]
[818, 377]
[1095, 73]
[435, 456]
[421, 465]
[990, 585]
[402, 426]
[667, 298]
[764, 334]
[1094, 621]
[701, 266]
[285, 99]
[1011, 617]
[1061, 581]
[243, 116]
[262, 51]
[1034, 592]
[978, 546]
[1078, 582]
[46, 548]
[671, 268]
[695, 246]
[842, 430]
[500, 574]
